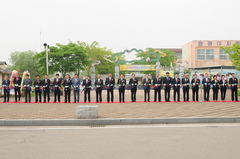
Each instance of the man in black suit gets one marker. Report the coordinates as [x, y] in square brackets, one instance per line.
[215, 87]
[27, 83]
[206, 86]
[185, 84]
[195, 87]
[147, 85]
[87, 84]
[176, 87]
[167, 84]
[98, 84]
[122, 83]
[157, 82]
[38, 91]
[223, 87]
[17, 85]
[67, 88]
[46, 89]
[76, 87]
[57, 82]
[6, 88]
[133, 82]
[233, 82]
[110, 82]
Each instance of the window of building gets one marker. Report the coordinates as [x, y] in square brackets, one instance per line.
[223, 55]
[200, 54]
[209, 54]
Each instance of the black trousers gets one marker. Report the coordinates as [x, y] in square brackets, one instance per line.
[167, 93]
[234, 93]
[133, 94]
[99, 95]
[186, 93]
[46, 94]
[67, 92]
[223, 92]
[17, 93]
[76, 94]
[121, 93]
[206, 91]
[27, 95]
[195, 93]
[215, 93]
[6, 95]
[38, 93]
[147, 94]
[56, 94]
[157, 94]
[87, 93]
[110, 91]
[176, 90]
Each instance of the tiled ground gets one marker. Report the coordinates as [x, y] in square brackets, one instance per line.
[121, 110]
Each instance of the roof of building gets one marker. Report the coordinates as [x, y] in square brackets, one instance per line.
[211, 67]
[3, 63]
[171, 49]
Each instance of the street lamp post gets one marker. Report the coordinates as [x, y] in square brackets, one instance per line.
[47, 50]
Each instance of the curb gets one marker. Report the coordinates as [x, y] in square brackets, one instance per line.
[103, 122]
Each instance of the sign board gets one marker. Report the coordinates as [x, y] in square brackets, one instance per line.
[137, 67]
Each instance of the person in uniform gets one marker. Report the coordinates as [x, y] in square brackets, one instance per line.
[176, 88]
[206, 87]
[233, 82]
[185, 84]
[67, 88]
[6, 88]
[98, 84]
[87, 84]
[195, 87]
[110, 82]
[167, 84]
[17, 85]
[133, 82]
[215, 84]
[122, 83]
[46, 88]
[38, 92]
[147, 87]
[27, 83]
[76, 87]
[157, 82]
[57, 87]
[223, 87]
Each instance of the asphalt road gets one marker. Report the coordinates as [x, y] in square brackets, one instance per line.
[221, 141]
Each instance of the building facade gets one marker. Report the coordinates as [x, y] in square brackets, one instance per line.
[203, 53]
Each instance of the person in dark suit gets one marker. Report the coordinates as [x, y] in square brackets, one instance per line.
[233, 82]
[99, 84]
[57, 82]
[176, 87]
[215, 84]
[110, 82]
[147, 87]
[206, 87]
[46, 89]
[223, 87]
[17, 85]
[133, 82]
[27, 83]
[157, 82]
[185, 84]
[121, 83]
[6, 88]
[167, 84]
[76, 87]
[87, 84]
[38, 92]
[67, 83]
[195, 87]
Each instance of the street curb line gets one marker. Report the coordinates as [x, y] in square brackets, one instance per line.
[102, 122]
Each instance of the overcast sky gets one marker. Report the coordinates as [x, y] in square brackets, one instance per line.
[117, 24]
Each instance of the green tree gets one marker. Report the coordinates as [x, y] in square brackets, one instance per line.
[63, 59]
[22, 61]
[234, 53]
